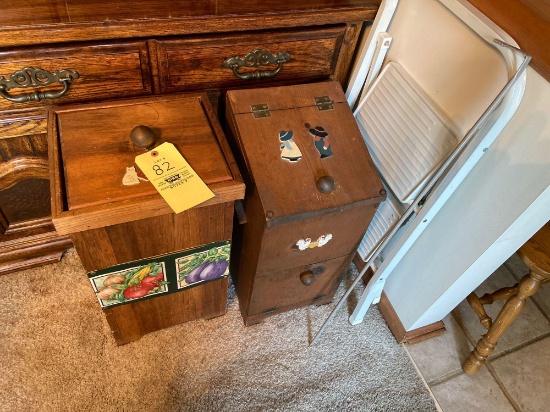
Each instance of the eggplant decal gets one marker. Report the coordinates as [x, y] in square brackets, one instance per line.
[203, 266]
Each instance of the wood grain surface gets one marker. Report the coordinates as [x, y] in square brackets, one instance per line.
[83, 205]
[151, 47]
[196, 63]
[96, 147]
[536, 251]
[275, 290]
[282, 202]
[131, 321]
[105, 71]
[159, 235]
[54, 21]
[288, 188]
[528, 22]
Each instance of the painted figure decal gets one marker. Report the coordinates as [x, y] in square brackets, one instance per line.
[289, 149]
[133, 176]
[307, 243]
[130, 177]
[320, 139]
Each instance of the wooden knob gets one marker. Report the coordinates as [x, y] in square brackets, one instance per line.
[307, 277]
[325, 184]
[142, 136]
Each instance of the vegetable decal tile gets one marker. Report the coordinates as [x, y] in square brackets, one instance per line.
[160, 275]
[203, 266]
[130, 284]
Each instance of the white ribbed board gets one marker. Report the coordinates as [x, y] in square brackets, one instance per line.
[386, 215]
[407, 136]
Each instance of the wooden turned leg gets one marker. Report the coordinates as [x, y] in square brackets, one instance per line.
[476, 304]
[501, 294]
[528, 286]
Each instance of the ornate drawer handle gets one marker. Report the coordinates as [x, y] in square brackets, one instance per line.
[257, 58]
[32, 77]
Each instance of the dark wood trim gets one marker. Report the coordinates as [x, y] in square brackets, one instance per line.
[398, 330]
[321, 212]
[393, 321]
[32, 251]
[20, 168]
[68, 32]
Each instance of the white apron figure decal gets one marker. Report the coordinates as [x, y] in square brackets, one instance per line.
[289, 149]
[320, 139]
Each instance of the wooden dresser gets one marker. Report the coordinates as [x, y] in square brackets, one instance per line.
[98, 50]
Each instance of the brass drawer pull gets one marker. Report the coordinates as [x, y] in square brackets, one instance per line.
[257, 58]
[32, 77]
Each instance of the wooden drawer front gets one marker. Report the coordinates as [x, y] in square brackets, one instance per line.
[197, 63]
[275, 290]
[279, 244]
[104, 71]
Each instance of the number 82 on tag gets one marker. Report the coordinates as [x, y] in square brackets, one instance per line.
[173, 177]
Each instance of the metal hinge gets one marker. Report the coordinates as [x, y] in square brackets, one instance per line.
[323, 103]
[260, 110]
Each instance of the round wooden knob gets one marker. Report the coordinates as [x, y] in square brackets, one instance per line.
[307, 277]
[142, 136]
[325, 184]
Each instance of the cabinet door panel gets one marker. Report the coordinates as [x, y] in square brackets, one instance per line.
[26, 200]
[104, 71]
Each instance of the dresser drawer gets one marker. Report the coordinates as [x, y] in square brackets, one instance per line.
[292, 287]
[104, 71]
[198, 63]
[316, 239]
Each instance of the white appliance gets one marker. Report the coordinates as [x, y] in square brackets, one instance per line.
[437, 105]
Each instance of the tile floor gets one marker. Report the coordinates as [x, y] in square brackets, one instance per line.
[515, 378]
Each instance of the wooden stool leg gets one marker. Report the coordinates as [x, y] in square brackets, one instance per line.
[477, 306]
[528, 286]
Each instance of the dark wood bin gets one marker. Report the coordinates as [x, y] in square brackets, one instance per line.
[312, 190]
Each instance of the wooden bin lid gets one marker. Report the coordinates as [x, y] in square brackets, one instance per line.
[91, 149]
[290, 188]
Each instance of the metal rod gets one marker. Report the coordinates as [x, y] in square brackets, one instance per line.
[431, 183]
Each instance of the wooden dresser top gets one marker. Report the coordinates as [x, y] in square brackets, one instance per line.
[51, 21]
[528, 22]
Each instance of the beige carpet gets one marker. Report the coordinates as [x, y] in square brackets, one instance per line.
[58, 355]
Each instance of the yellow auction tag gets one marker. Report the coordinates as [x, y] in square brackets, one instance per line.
[172, 176]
